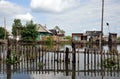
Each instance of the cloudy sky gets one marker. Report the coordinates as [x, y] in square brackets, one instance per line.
[73, 16]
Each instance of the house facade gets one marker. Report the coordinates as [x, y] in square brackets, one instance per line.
[57, 36]
[43, 31]
[79, 37]
[94, 36]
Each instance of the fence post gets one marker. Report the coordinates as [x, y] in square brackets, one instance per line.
[8, 66]
[66, 54]
[9, 49]
[74, 52]
[85, 54]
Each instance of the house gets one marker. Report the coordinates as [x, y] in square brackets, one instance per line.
[43, 31]
[94, 36]
[79, 37]
[57, 35]
[112, 38]
[54, 32]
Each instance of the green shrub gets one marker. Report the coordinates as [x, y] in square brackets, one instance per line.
[40, 64]
[14, 59]
[109, 63]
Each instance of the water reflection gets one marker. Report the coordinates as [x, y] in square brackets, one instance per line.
[37, 62]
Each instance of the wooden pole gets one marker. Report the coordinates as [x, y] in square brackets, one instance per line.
[74, 53]
[66, 60]
[85, 61]
[66, 54]
[8, 66]
[73, 71]
[9, 49]
[102, 16]
[5, 27]
[88, 51]
[102, 22]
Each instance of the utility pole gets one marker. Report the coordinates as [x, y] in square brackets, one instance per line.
[5, 27]
[102, 20]
[102, 16]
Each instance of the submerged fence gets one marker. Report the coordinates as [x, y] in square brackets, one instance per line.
[39, 59]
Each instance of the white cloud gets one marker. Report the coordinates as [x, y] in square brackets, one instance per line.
[53, 5]
[86, 17]
[9, 10]
[82, 15]
[26, 16]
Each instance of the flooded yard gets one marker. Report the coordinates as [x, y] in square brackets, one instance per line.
[38, 62]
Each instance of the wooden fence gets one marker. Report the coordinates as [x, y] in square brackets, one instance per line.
[36, 59]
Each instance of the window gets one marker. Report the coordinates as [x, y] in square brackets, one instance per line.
[75, 38]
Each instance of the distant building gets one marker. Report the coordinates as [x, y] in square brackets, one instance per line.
[112, 38]
[43, 31]
[57, 35]
[54, 32]
[94, 36]
[79, 37]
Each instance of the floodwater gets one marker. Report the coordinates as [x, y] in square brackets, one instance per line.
[39, 63]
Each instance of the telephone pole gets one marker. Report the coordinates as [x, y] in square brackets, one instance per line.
[5, 27]
[102, 16]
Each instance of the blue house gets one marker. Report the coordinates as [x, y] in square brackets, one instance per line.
[43, 31]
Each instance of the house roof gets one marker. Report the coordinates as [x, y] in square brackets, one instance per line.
[60, 34]
[54, 32]
[80, 34]
[77, 33]
[113, 33]
[42, 28]
[93, 33]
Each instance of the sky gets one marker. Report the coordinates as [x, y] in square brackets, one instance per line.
[73, 16]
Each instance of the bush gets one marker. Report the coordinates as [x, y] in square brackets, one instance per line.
[14, 59]
[118, 39]
[109, 63]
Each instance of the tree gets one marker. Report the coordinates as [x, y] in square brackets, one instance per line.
[118, 39]
[29, 33]
[16, 27]
[68, 37]
[2, 33]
